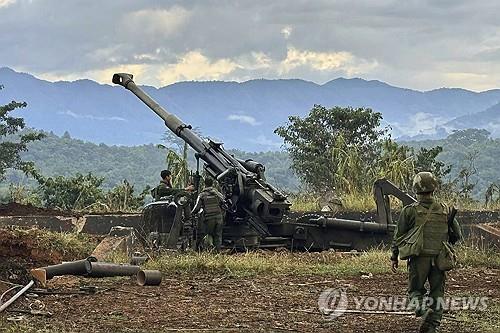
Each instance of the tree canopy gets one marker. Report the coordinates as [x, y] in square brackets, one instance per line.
[10, 150]
[313, 142]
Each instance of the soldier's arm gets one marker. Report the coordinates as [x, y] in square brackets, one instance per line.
[405, 223]
[197, 206]
[456, 232]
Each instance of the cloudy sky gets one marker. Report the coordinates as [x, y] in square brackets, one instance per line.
[413, 43]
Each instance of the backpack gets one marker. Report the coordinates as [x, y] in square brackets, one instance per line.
[412, 243]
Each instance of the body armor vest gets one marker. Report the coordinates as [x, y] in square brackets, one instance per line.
[435, 229]
[211, 204]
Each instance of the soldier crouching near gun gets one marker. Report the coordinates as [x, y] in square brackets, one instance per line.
[210, 227]
[423, 236]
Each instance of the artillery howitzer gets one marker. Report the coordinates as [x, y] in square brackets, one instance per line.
[256, 216]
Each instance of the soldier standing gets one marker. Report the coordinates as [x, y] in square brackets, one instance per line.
[210, 200]
[438, 229]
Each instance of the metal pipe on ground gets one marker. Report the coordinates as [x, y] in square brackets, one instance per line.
[103, 269]
[149, 278]
[79, 267]
[16, 296]
[138, 260]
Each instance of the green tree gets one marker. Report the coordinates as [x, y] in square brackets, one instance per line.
[426, 160]
[177, 158]
[397, 163]
[121, 198]
[313, 141]
[11, 144]
[79, 192]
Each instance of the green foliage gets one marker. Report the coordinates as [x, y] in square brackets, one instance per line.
[318, 139]
[427, 160]
[333, 264]
[344, 150]
[71, 193]
[24, 195]
[474, 160]
[272, 263]
[84, 193]
[57, 156]
[10, 150]
[140, 165]
[177, 164]
[121, 198]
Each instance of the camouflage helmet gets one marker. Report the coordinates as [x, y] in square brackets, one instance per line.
[425, 182]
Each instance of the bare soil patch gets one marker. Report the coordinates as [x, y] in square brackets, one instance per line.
[16, 209]
[257, 304]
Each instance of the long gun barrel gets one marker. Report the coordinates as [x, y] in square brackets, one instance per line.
[176, 125]
[253, 199]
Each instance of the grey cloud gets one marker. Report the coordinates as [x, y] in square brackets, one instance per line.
[419, 44]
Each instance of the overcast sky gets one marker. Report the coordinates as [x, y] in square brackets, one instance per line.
[412, 43]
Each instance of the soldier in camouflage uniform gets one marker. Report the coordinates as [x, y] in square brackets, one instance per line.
[165, 188]
[422, 268]
[210, 200]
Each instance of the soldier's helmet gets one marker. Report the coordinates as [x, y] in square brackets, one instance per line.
[425, 182]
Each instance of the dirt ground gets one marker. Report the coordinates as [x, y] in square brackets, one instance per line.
[217, 303]
[15, 209]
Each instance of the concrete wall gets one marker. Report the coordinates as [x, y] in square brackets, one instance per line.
[91, 224]
[101, 224]
[54, 223]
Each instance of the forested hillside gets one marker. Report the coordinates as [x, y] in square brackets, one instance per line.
[140, 165]
[243, 115]
[473, 154]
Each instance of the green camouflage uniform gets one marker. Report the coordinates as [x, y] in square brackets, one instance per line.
[164, 190]
[212, 221]
[422, 268]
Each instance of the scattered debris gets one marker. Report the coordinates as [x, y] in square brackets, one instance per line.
[78, 268]
[149, 278]
[32, 312]
[16, 296]
[312, 283]
[137, 259]
[119, 239]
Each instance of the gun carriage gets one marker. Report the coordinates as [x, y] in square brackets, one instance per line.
[257, 212]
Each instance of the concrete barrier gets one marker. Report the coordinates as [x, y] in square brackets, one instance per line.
[102, 224]
[54, 223]
[90, 224]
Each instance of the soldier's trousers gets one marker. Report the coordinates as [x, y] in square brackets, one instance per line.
[212, 232]
[422, 269]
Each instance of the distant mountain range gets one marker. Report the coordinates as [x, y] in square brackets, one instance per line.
[243, 115]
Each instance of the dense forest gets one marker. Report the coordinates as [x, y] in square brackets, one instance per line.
[470, 149]
[471, 153]
[140, 165]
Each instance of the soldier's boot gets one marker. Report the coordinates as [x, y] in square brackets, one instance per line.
[428, 325]
[420, 311]
[207, 243]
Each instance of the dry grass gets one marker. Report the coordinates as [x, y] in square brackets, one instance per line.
[68, 244]
[274, 263]
[333, 264]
